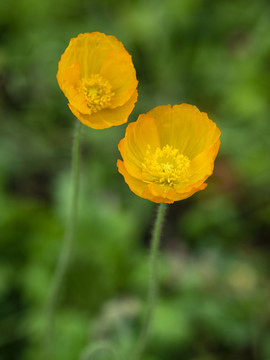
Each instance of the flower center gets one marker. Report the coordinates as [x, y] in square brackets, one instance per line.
[166, 166]
[97, 91]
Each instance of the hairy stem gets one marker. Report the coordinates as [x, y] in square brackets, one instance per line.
[93, 349]
[65, 254]
[153, 286]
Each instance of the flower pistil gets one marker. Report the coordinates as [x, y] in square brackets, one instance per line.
[97, 92]
[166, 166]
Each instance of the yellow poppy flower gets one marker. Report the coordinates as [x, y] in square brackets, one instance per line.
[169, 152]
[97, 76]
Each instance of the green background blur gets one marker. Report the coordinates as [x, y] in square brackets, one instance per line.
[214, 262]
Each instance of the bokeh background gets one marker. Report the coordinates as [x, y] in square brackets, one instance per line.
[214, 261]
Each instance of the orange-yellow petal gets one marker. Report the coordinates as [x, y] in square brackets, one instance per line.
[107, 117]
[89, 50]
[118, 69]
[70, 86]
[137, 186]
[136, 141]
[201, 168]
[185, 128]
[170, 195]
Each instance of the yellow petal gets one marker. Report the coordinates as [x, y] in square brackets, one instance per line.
[89, 50]
[69, 86]
[201, 168]
[118, 69]
[107, 117]
[170, 195]
[139, 135]
[137, 186]
[164, 123]
[185, 128]
[71, 75]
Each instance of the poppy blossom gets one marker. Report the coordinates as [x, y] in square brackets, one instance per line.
[97, 76]
[169, 152]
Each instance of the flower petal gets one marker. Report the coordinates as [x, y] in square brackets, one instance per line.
[139, 136]
[107, 117]
[169, 195]
[185, 128]
[70, 88]
[201, 168]
[118, 69]
[89, 50]
[137, 186]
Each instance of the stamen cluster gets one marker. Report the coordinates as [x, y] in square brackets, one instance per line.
[97, 91]
[166, 166]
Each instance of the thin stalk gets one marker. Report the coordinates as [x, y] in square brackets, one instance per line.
[91, 350]
[65, 254]
[152, 286]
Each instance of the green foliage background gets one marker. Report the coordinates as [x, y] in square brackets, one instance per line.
[214, 261]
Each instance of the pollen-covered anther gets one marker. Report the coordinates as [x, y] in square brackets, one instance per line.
[166, 166]
[97, 91]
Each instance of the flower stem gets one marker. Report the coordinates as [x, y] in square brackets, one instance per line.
[91, 350]
[65, 254]
[152, 286]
